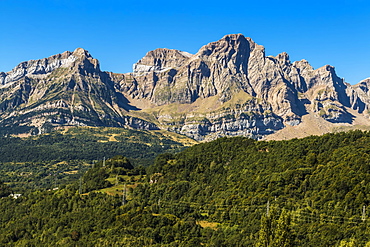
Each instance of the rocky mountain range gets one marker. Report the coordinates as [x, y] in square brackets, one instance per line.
[228, 88]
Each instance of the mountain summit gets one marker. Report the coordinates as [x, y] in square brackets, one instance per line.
[65, 89]
[229, 87]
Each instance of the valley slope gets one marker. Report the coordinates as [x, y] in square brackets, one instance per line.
[236, 191]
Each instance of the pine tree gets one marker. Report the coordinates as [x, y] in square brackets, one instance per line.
[275, 233]
[265, 232]
[283, 236]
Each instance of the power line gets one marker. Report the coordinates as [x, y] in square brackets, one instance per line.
[297, 216]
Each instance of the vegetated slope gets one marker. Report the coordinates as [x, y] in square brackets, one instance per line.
[60, 157]
[82, 143]
[314, 125]
[232, 191]
[323, 182]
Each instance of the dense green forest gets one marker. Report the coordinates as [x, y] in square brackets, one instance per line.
[61, 157]
[230, 192]
[90, 144]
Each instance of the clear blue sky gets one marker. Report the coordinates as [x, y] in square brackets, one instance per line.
[119, 33]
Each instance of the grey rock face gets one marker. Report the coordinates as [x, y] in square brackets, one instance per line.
[253, 125]
[160, 60]
[229, 87]
[38, 67]
[65, 89]
[236, 63]
[359, 97]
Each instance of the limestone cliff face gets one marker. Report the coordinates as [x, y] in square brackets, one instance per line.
[160, 60]
[228, 66]
[229, 87]
[359, 96]
[237, 64]
[218, 68]
[37, 68]
[65, 89]
[251, 118]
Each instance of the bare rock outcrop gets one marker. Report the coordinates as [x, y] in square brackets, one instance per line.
[160, 60]
[229, 87]
[236, 63]
[64, 89]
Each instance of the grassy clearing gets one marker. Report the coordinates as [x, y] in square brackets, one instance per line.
[186, 141]
[110, 134]
[112, 138]
[197, 111]
[212, 225]
[71, 172]
[119, 184]
[114, 190]
[199, 107]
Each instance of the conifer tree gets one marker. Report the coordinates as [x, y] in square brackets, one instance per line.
[265, 233]
[283, 234]
[275, 233]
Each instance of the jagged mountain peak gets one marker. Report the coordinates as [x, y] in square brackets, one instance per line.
[79, 58]
[365, 81]
[81, 52]
[160, 59]
[234, 39]
[302, 65]
[362, 90]
[229, 87]
[233, 36]
[229, 43]
[63, 89]
[283, 58]
[85, 62]
[236, 65]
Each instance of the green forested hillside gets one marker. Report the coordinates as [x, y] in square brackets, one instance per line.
[321, 182]
[230, 192]
[60, 157]
[84, 143]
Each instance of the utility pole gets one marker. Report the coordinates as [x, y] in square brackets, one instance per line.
[268, 208]
[55, 180]
[103, 161]
[363, 213]
[80, 189]
[124, 196]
